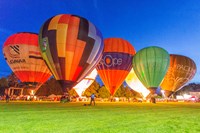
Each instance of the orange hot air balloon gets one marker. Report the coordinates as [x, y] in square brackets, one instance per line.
[116, 63]
[21, 52]
[180, 71]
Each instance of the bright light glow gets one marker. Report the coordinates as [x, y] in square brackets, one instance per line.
[85, 83]
[32, 92]
[186, 96]
[135, 84]
[163, 93]
[179, 97]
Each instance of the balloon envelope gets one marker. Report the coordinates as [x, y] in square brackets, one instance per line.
[21, 52]
[180, 71]
[135, 84]
[150, 65]
[71, 47]
[85, 83]
[115, 63]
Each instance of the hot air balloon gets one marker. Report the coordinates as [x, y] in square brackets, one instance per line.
[21, 52]
[180, 71]
[135, 84]
[115, 63]
[71, 47]
[85, 83]
[150, 65]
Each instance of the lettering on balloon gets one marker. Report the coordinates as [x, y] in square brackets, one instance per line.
[110, 61]
[115, 61]
[183, 68]
[17, 61]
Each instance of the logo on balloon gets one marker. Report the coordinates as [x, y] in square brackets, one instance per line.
[110, 61]
[14, 51]
[44, 44]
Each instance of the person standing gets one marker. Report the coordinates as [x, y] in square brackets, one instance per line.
[7, 98]
[92, 99]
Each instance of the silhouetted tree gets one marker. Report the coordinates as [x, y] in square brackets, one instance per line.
[12, 80]
[103, 92]
[93, 88]
[50, 87]
[3, 85]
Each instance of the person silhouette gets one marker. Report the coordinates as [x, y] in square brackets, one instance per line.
[7, 98]
[92, 99]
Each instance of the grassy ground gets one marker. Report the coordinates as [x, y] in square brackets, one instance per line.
[50, 117]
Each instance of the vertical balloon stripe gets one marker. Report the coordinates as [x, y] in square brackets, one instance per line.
[80, 45]
[75, 76]
[52, 33]
[62, 67]
[53, 24]
[71, 41]
[64, 19]
[84, 68]
[61, 36]
[83, 35]
[44, 29]
[53, 50]
[92, 33]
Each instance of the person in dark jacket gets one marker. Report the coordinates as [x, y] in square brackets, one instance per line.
[7, 98]
[92, 99]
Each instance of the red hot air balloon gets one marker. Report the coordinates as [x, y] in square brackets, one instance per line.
[71, 47]
[21, 52]
[116, 63]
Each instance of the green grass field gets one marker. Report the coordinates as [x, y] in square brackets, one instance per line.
[51, 117]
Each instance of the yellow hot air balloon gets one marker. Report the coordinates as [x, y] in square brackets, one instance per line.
[85, 83]
[181, 70]
[135, 84]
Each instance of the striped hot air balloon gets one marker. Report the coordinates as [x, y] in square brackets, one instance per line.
[21, 52]
[71, 47]
[116, 63]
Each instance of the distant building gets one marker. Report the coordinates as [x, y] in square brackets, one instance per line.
[195, 93]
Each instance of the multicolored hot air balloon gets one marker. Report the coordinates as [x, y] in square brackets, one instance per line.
[180, 71]
[115, 63]
[85, 83]
[71, 46]
[135, 84]
[21, 52]
[150, 65]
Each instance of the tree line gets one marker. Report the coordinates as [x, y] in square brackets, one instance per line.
[53, 87]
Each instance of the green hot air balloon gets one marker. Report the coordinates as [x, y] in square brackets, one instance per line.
[150, 65]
